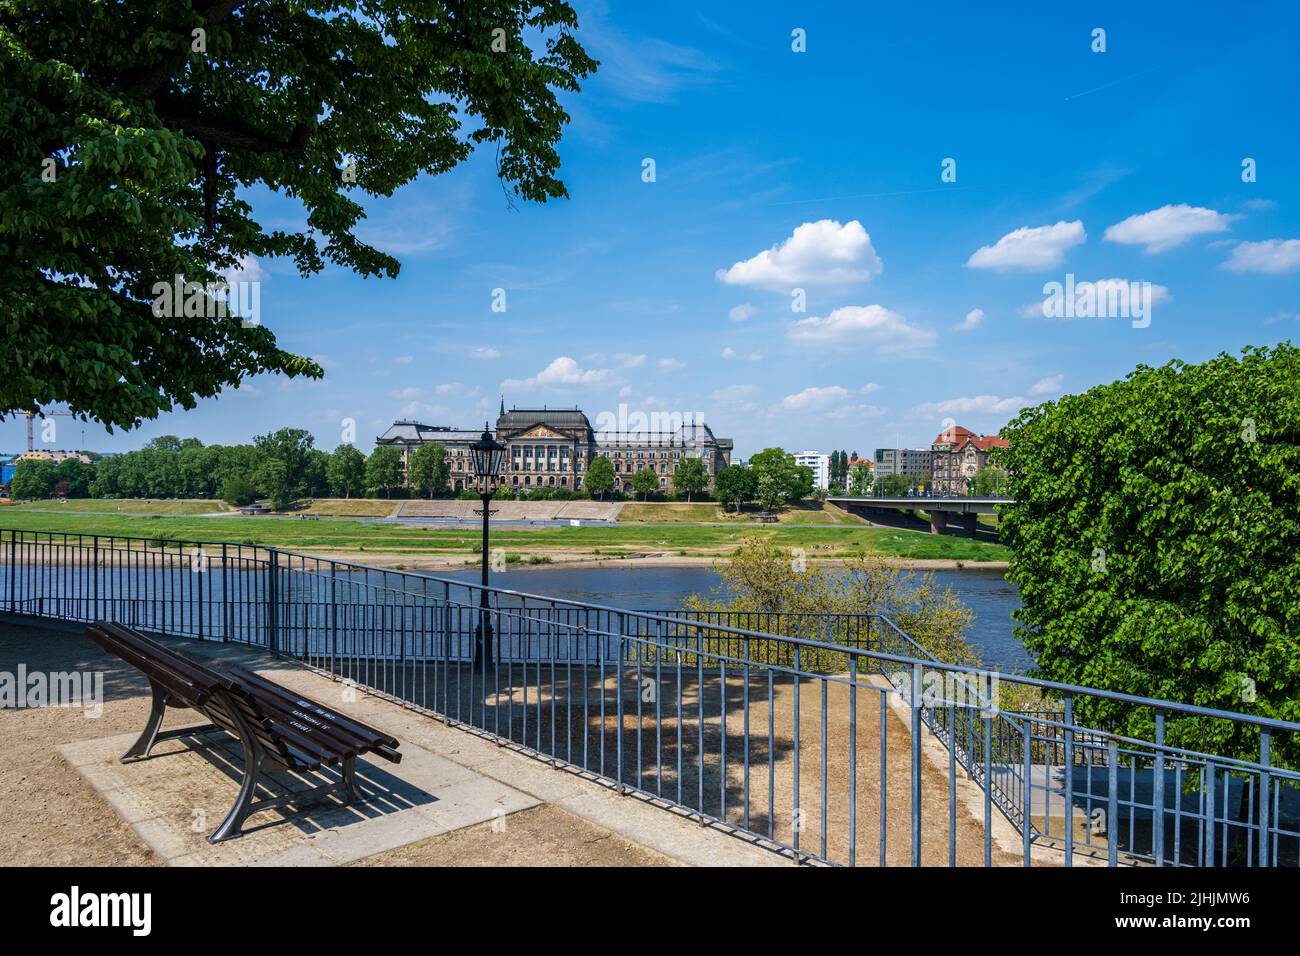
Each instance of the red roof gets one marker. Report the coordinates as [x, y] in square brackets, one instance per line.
[960, 437]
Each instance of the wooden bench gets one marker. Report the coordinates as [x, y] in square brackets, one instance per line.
[275, 725]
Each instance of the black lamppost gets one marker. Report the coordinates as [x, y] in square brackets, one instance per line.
[487, 454]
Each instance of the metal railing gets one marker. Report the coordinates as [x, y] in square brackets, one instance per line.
[805, 733]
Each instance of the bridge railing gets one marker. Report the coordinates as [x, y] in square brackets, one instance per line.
[805, 733]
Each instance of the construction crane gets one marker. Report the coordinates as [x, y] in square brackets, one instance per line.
[45, 414]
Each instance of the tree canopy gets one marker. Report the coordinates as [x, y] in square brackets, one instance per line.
[690, 477]
[734, 485]
[137, 128]
[1155, 540]
[599, 479]
[778, 480]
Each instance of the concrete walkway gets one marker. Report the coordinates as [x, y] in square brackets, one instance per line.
[451, 785]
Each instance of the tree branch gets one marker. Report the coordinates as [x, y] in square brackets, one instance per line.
[147, 84]
[236, 135]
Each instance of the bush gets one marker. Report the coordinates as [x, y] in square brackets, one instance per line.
[1153, 537]
[238, 491]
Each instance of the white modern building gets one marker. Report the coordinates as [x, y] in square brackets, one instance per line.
[820, 465]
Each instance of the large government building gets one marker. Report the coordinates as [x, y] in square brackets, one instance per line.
[551, 447]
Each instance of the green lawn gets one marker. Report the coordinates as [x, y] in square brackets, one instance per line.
[350, 536]
[671, 512]
[123, 506]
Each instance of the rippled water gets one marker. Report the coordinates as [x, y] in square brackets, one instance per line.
[986, 593]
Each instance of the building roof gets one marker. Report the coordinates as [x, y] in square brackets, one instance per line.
[404, 432]
[518, 418]
[959, 437]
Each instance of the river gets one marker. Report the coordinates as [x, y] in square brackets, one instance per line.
[988, 595]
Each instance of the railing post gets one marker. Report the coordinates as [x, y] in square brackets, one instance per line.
[917, 679]
[1112, 803]
[94, 582]
[1028, 792]
[272, 601]
[1265, 758]
[1158, 794]
[1068, 716]
[225, 594]
[13, 571]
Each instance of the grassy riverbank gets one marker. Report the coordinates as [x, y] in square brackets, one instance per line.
[683, 540]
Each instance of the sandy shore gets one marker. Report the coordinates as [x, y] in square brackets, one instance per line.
[410, 562]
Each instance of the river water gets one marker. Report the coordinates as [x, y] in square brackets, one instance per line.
[986, 593]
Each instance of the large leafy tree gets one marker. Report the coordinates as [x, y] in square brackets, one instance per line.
[735, 485]
[779, 480]
[134, 129]
[384, 469]
[690, 477]
[290, 448]
[645, 482]
[1155, 540]
[599, 479]
[347, 472]
[427, 470]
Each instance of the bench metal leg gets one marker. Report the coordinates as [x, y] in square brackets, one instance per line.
[140, 749]
[350, 779]
[232, 826]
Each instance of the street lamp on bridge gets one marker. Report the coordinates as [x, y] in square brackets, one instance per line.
[487, 454]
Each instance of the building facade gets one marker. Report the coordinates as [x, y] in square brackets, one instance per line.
[957, 454]
[819, 463]
[912, 462]
[553, 447]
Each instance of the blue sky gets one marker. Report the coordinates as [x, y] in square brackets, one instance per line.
[820, 170]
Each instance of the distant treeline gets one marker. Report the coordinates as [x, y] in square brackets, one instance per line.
[282, 466]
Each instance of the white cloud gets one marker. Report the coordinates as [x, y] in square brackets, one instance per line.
[872, 325]
[625, 391]
[249, 269]
[561, 372]
[1260, 204]
[742, 312]
[817, 253]
[1107, 290]
[1037, 247]
[1047, 386]
[484, 353]
[971, 405]
[423, 410]
[617, 360]
[973, 318]
[403, 360]
[411, 392]
[739, 398]
[869, 388]
[1168, 226]
[854, 412]
[671, 365]
[814, 397]
[728, 352]
[1273, 256]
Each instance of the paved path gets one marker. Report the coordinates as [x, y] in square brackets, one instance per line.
[455, 798]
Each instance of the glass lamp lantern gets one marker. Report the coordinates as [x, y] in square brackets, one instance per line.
[488, 455]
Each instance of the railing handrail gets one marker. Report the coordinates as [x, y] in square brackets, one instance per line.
[1196, 710]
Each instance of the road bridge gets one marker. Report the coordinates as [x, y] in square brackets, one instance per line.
[938, 508]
